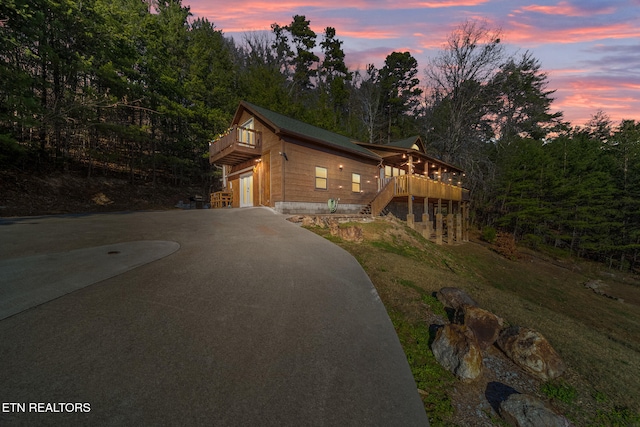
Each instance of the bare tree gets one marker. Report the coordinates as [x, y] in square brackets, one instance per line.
[458, 79]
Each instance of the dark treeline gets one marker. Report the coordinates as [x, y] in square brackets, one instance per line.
[120, 86]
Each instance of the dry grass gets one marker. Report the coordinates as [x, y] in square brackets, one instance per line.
[598, 337]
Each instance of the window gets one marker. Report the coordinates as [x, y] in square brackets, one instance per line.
[246, 134]
[355, 182]
[391, 171]
[321, 178]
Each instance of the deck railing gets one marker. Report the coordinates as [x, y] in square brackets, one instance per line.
[413, 185]
[237, 137]
[383, 197]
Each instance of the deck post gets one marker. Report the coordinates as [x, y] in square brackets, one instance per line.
[426, 221]
[465, 228]
[411, 220]
[438, 228]
[450, 228]
[458, 227]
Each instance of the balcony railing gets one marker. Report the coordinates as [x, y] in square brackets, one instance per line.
[412, 185]
[237, 145]
[424, 187]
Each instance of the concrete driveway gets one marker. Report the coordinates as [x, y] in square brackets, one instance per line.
[230, 317]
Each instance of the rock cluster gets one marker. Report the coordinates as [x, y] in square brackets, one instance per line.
[459, 347]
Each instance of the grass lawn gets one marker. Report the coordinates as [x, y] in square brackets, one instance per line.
[598, 337]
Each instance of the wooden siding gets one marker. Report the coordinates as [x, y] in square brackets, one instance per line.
[277, 179]
[299, 171]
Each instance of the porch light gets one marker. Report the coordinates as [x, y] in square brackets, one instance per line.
[340, 167]
[404, 156]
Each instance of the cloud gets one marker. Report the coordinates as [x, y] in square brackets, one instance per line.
[530, 34]
[566, 8]
[580, 95]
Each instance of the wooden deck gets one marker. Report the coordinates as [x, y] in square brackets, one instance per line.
[236, 146]
[417, 186]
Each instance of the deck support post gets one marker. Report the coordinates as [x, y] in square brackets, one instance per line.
[450, 227]
[411, 220]
[458, 227]
[426, 221]
[465, 221]
[439, 223]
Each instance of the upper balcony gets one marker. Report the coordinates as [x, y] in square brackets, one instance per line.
[237, 145]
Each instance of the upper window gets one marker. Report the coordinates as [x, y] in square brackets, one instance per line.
[246, 133]
[355, 182]
[321, 178]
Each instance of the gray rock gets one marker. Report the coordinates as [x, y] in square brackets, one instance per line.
[485, 325]
[532, 352]
[454, 298]
[521, 410]
[455, 347]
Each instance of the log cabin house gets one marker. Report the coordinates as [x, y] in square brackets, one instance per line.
[272, 160]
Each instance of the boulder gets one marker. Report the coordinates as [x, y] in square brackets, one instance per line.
[350, 234]
[485, 325]
[521, 410]
[454, 298]
[532, 352]
[455, 347]
[308, 221]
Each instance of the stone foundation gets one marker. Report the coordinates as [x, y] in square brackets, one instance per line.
[304, 208]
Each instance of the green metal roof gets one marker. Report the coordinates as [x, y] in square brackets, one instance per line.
[405, 143]
[295, 127]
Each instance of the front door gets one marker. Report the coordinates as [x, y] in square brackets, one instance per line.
[246, 190]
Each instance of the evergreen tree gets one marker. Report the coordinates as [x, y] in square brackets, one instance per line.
[400, 94]
[522, 103]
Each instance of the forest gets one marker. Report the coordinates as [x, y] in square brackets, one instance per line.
[139, 89]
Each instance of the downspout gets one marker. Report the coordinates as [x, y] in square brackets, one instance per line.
[282, 154]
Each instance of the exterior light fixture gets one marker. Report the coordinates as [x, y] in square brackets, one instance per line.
[340, 167]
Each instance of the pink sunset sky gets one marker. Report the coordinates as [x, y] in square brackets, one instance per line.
[590, 49]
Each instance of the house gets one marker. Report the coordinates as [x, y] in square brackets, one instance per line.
[272, 160]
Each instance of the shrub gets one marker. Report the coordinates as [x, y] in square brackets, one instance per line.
[489, 234]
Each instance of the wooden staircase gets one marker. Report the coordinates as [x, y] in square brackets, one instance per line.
[379, 203]
[367, 211]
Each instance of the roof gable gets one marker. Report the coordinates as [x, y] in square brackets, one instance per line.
[286, 125]
[409, 143]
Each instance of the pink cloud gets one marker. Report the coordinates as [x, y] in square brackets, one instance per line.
[580, 96]
[565, 8]
[439, 4]
[521, 33]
